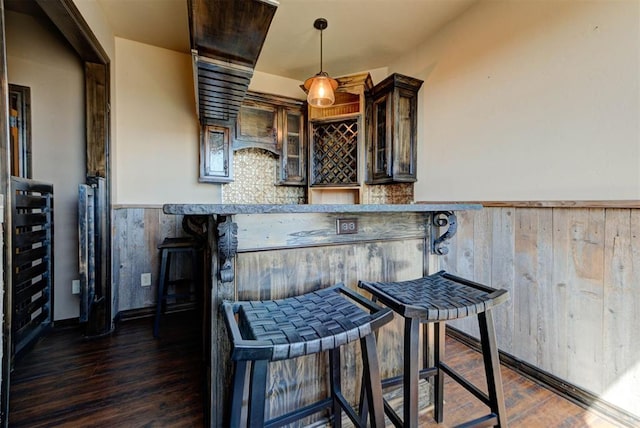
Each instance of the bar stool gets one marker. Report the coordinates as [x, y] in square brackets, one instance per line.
[170, 247]
[436, 299]
[323, 320]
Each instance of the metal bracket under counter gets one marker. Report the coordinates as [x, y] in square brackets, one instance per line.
[227, 247]
[440, 244]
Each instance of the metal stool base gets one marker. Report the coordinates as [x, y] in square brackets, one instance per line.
[168, 248]
[436, 299]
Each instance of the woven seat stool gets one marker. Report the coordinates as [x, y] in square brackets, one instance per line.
[323, 320]
[169, 248]
[436, 299]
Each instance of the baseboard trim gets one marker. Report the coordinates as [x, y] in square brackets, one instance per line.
[150, 311]
[67, 323]
[571, 392]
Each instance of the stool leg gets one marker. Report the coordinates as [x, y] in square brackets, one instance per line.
[336, 386]
[195, 281]
[411, 371]
[162, 281]
[239, 375]
[372, 381]
[438, 356]
[257, 393]
[492, 366]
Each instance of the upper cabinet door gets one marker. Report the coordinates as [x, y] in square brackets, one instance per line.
[215, 163]
[393, 114]
[381, 137]
[257, 126]
[293, 165]
[405, 133]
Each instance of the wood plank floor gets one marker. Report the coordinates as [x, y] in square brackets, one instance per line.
[528, 404]
[130, 379]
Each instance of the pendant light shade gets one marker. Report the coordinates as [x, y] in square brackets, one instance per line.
[320, 87]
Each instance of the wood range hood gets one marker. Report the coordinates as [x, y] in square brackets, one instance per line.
[226, 40]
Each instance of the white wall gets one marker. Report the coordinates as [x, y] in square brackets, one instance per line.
[40, 60]
[157, 133]
[277, 85]
[530, 100]
[156, 126]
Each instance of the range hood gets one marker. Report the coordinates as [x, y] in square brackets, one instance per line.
[226, 40]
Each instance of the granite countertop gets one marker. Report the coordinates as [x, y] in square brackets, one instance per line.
[230, 209]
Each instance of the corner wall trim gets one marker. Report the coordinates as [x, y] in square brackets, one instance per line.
[630, 203]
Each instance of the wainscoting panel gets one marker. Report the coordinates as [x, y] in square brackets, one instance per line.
[136, 235]
[573, 274]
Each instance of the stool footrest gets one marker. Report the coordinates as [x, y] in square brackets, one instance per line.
[180, 281]
[398, 380]
[348, 409]
[489, 420]
[293, 416]
[392, 415]
[465, 383]
[177, 296]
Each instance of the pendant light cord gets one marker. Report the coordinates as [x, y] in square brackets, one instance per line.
[320, 51]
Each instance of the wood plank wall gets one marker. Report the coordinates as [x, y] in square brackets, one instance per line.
[573, 273]
[136, 233]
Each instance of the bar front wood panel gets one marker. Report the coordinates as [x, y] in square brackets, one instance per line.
[574, 279]
[312, 229]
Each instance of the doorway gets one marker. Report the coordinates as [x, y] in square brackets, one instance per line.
[66, 27]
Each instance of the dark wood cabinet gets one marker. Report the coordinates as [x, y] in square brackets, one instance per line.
[264, 121]
[216, 165]
[276, 124]
[294, 147]
[392, 117]
[257, 126]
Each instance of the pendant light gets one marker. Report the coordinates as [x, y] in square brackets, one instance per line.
[320, 87]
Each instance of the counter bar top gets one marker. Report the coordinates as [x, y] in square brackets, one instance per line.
[230, 209]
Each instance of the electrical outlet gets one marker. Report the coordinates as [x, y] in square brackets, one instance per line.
[145, 280]
[346, 225]
[75, 286]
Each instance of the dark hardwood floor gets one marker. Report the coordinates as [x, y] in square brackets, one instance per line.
[529, 405]
[130, 379]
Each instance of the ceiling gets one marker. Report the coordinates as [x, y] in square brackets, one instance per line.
[361, 34]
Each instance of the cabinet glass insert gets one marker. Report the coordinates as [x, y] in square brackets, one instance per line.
[293, 146]
[381, 137]
[216, 157]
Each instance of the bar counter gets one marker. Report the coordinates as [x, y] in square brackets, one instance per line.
[230, 209]
[265, 251]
